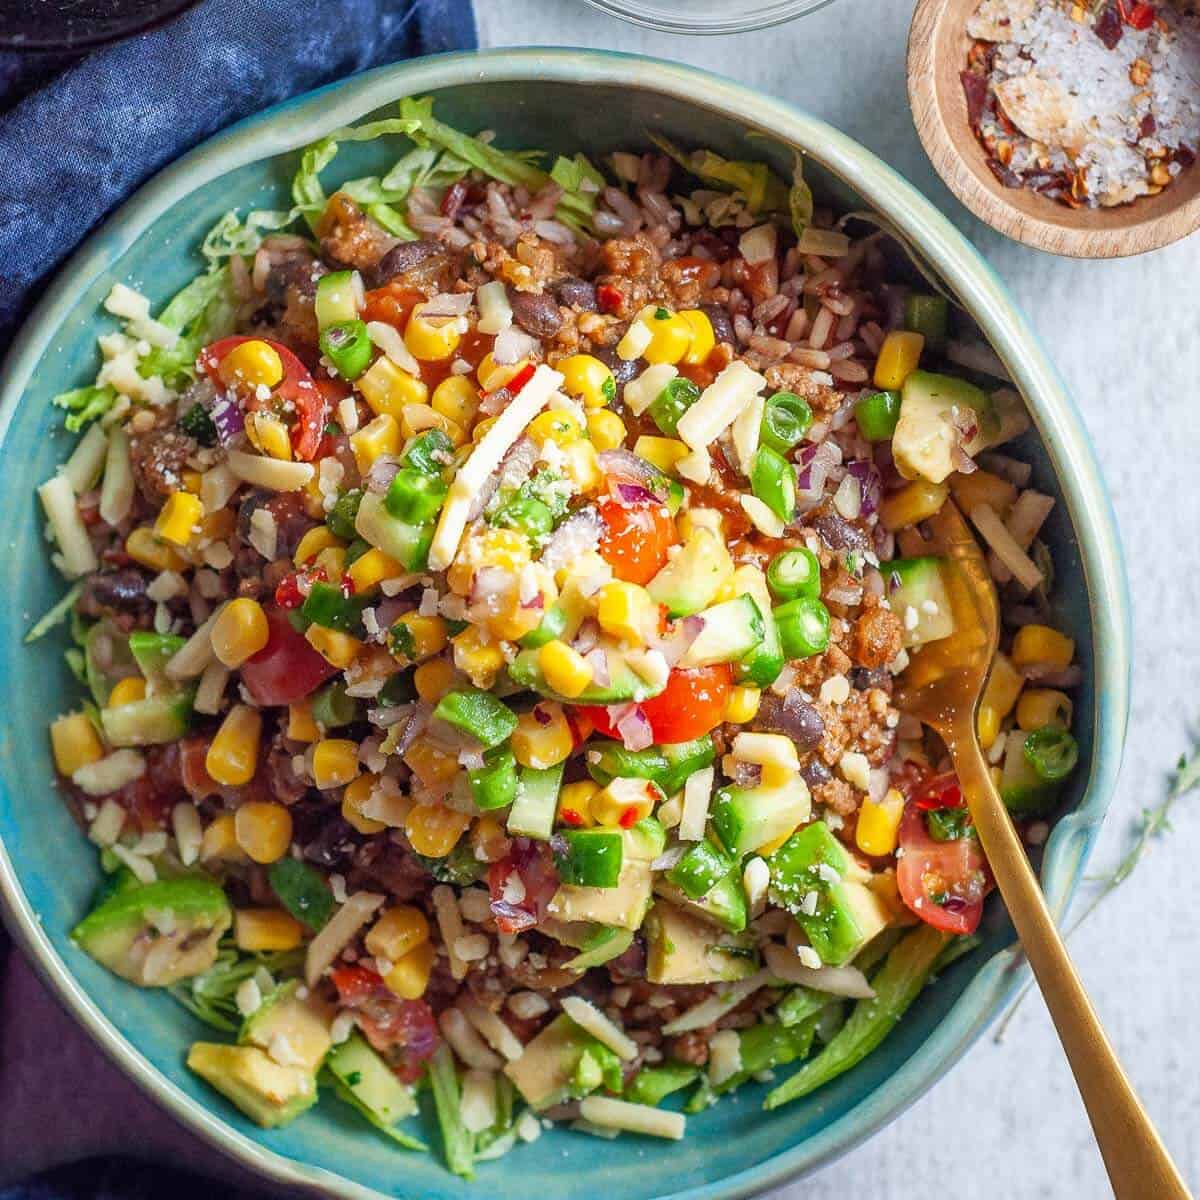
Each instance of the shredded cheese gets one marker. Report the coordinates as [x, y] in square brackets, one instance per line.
[587, 1016]
[719, 404]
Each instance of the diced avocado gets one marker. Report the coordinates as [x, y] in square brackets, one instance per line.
[302, 1026]
[926, 434]
[107, 659]
[407, 544]
[601, 946]
[682, 948]
[624, 683]
[815, 879]
[152, 652]
[691, 580]
[532, 812]
[553, 625]
[747, 818]
[545, 1072]
[157, 933]
[1024, 793]
[764, 663]
[149, 722]
[268, 1093]
[337, 298]
[732, 629]
[371, 1081]
[915, 586]
[645, 840]
[724, 903]
[623, 906]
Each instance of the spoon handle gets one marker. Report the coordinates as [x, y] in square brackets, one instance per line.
[1139, 1166]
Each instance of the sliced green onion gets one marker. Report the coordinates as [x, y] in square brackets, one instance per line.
[340, 518]
[793, 573]
[347, 346]
[530, 516]
[1052, 753]
[494, 785]
[414, 496]
[774, 482]
[671, 403]
[928, 316]
[877, 415]
[479, 714]
[803, 627]
[786, 419]
[430, 452]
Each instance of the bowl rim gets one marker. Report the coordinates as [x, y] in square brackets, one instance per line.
[1149, 223]
[770, 12]
[293, 124]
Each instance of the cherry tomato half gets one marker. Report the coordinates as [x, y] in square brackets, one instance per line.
[691, 705]
[303, 404]
[636, 538]
[944, 883]
[287, 668]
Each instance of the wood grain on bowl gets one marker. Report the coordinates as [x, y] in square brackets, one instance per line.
[937, 53]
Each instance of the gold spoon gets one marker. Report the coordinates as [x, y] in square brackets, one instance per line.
[941, 686]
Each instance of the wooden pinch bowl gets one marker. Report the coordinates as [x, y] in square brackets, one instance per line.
[937, 53]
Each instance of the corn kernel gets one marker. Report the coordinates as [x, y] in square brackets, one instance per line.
[456, 398]
[378, 437]
[431, 340]
[544, 742]
[493, 375]
[240, 631]
[129, 690]
[251, 364]
[398, 932]
[433, 679]
[606, 429]
[232, 757]
[703, 337]
[337, 648]
[982, 487]
[432, 764]
[586, 378]
[269, 435]
[434, 829]
[417, 418]
[219, 842]
[742, 705]
[191, 481]
[481, 427]
[1003, 687]
[263, 830]
[1041, 644]
[422, 637]
[75, 743]
[582, 467]
[671, 336]
[409, 976]
[506, 548]
[489, 839]
[358, 792]
[575, 804]
[301, 727]
[661, 452]
[371, 569]
[987, 726]
[566, 671]
[331, 560]
[1042, 707]
[913, 503]
[626, 611]
[692, 519]
[879, 823]
[623, 802]
[557, 426]
[513, 621]
[478, 660]
[334, 762]
[143, 546]
[178, 517]
[259, 929]
[387, 389]
[898, 358]
[319, 538]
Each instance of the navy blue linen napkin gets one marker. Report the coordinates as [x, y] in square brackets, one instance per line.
[78, 145]
[77, 136]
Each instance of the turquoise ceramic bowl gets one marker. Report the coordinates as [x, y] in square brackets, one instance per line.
[563, 100]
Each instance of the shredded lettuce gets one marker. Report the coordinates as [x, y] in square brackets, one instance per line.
[800, 199]
[397, 1135]
[84, 405]
[56, 615]
[763, 191]
[457, 1140]
[212, 995]
[200, 313]
[230, 236]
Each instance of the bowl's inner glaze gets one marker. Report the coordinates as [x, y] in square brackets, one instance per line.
[58, 869]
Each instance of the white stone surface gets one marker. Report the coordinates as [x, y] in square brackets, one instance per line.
[1007, 1123]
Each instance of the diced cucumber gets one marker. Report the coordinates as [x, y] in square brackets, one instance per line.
[669, 766]
[917, 593]
[371, 1080]
[700, 869]
[532, 812]
[407, 544]
[590, 858]
[747, 818]
[646, 840]
[152, 652]
[926, 435]
[149, 722]
[338, 295]
[1024, 793]
[814, 878]
[731, 630]
[691, 580]
[623, 682]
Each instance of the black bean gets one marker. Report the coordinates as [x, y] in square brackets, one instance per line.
[623, 371]
[837, 533]
[793, 716]
[403, 258]
[865, 678]
[721, 322]
[535, 312]
[576, 293]
[121, 589]
[815, 772]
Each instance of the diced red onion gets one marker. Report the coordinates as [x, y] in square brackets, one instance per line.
[976, 356]
[588, 637]
[578, 534]
[678, 640]
[382, 471]
[870, 484]
[471, 759]
[447, 304]
[634, 493]
[597, 659]
[666, 860]
[228, 419]
[512, 345]
[488, 583]
[625, 466]
[848, 498]
[633, 726]
[844, 593]
[1055, 677]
